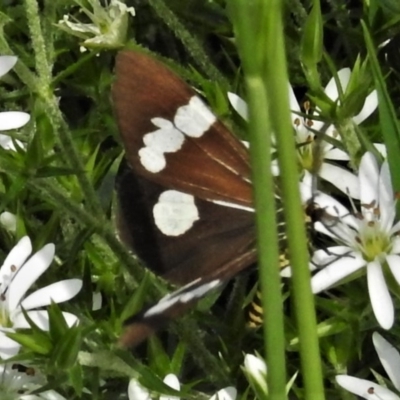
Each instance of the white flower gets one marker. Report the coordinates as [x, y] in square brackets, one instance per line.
[173, 382]
[10, 119]
[137, 392]
[390, 359]
[365, 240]
[17, 275]
[108, 28]
[307, 150]
[256, 372]
[9, 221]
[17, 384]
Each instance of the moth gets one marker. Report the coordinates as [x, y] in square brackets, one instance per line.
[185, 198]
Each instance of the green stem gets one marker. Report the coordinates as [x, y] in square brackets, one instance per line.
[44, 89]
[250, 18]
[350, 140]
[276, 82]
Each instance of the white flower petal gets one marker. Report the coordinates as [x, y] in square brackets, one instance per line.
[7, 143]
[6, 63]
[228, 393]
[370, 105]
[386, 198]
[341, 178]
[239, 105]
[395, 228]
[97, 301]
[9, 221]
[173, 382]
[396, 244]
[41, 319]
[275, 168]
[70, 319]
[369, 177]
[306, 187]
[28, 274]
[287, 271]
[331, 89]
[56, 292]
[381, 148]
[323, 257]
[336, 271]
[296, 120]
[51, 395]
[336, 154]
[136, 391]
[362, 387]
[8, 348]
[379, 295]
[256, 367]
[13, 120]
[389, 357]
[16, 257]
[393, 261]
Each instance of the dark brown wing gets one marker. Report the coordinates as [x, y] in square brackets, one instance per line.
[220, 235]
[211, 166]
[173, 142]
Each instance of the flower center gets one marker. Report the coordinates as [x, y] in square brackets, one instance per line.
[310, 155]
[372, 240]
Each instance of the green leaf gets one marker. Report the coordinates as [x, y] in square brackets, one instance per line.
[387, 115]
[135, 303]
[311, 45]
[37, 342]
[75, 374]
[67, 348]
[57, 324]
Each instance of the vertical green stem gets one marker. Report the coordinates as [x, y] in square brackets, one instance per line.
[260, 40]
[276, 81]
[44, 89]
[247, 17]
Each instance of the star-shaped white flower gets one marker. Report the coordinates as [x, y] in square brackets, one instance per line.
[390, 359]
[367, 239]
[17, 275]
[307, 151]
[107, 27]
[17, 384]
[10, 119]
[137, 392]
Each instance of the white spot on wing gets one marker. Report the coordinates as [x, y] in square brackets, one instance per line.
[167, 139]
[152, 160]
[183, 295]
[193, 120]
[199, 291]
[233, 205]
[175, 213]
